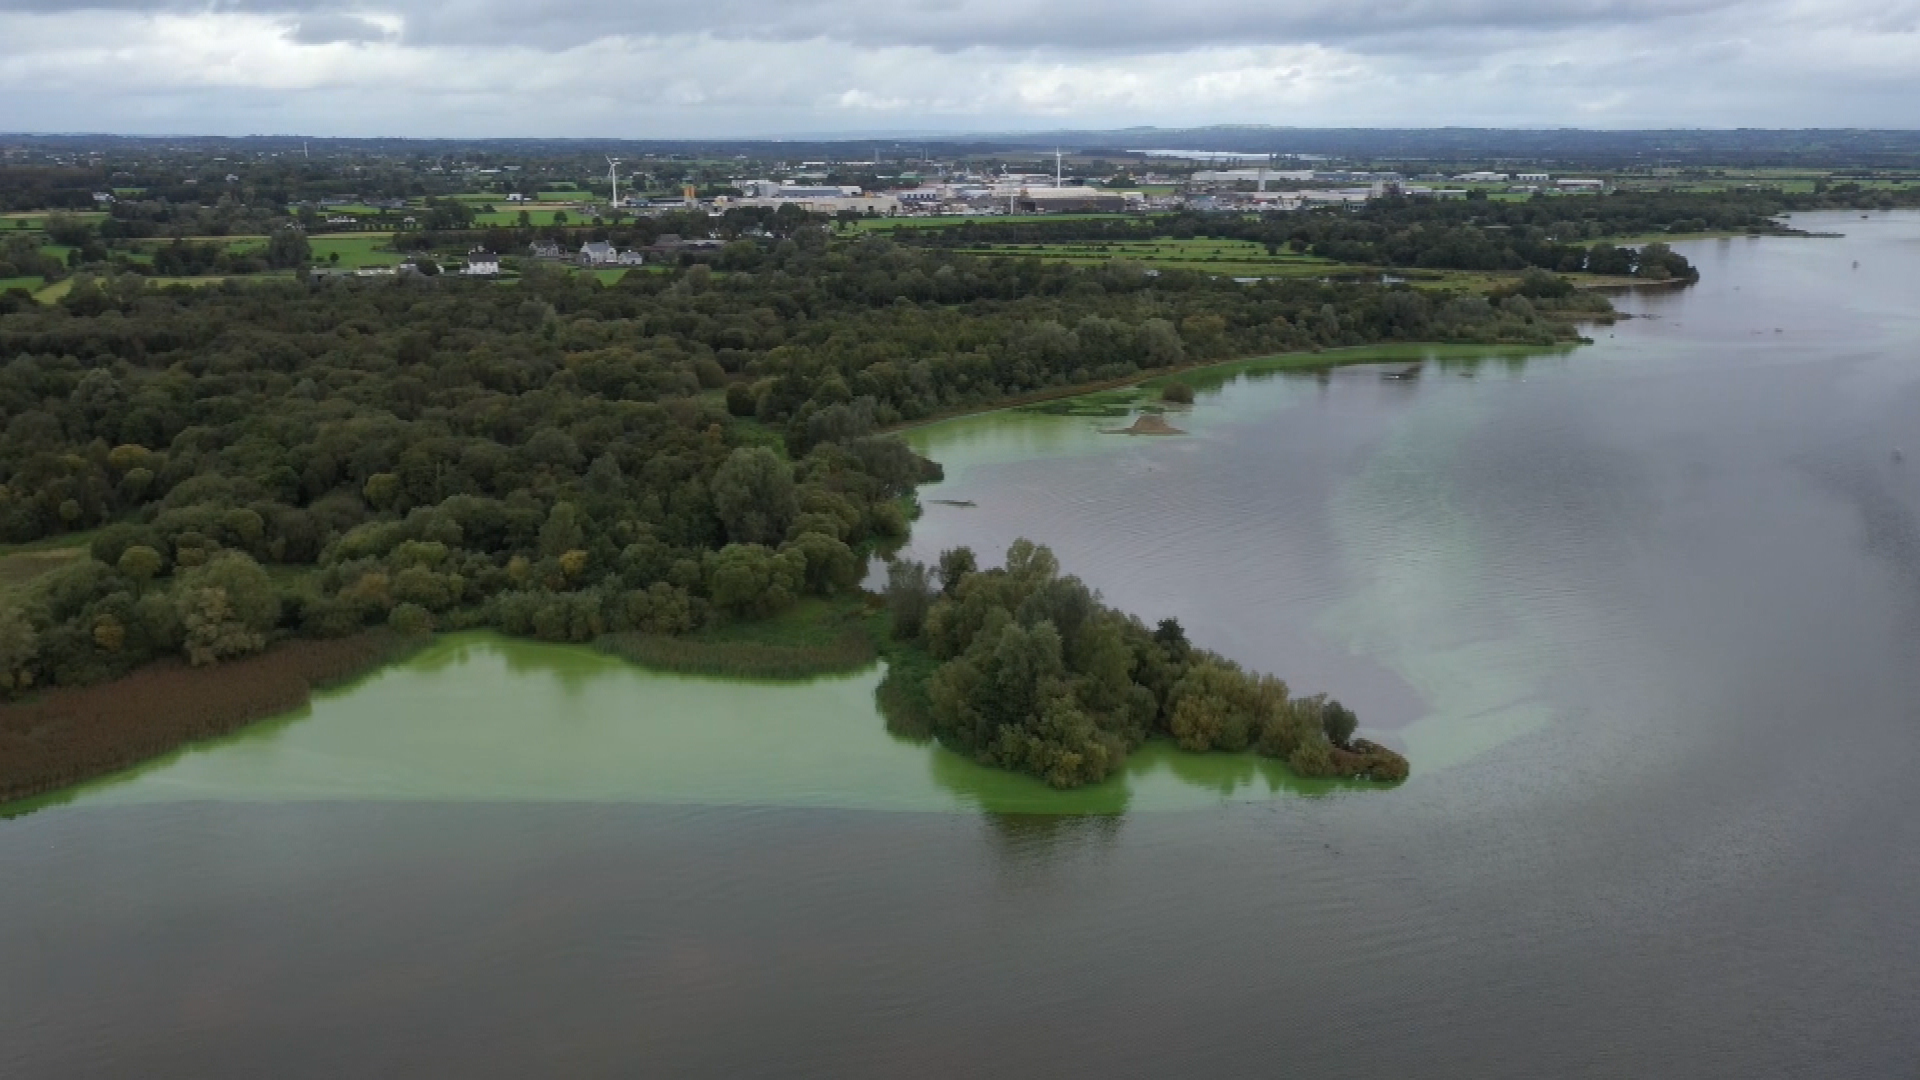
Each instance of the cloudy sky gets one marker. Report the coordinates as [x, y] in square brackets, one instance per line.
[645, 68]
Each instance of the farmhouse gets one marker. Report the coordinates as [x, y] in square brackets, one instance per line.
[601, 253]
[481, 264]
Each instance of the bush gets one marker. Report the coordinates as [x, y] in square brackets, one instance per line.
[411, 619]
[1177, 393]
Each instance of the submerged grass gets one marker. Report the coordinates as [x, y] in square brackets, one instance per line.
[834, 636]
[742, 659]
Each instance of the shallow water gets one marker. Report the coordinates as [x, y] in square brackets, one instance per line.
[479, 717]
[1643, 614]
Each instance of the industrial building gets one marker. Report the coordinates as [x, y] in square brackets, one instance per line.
[1072, 200]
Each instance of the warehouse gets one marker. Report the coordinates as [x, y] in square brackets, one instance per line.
[1070, 200]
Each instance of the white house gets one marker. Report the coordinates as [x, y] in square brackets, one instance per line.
[598, 253]
[481, 264]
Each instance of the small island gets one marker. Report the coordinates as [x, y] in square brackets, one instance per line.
[1026, 669]
[1147, 423]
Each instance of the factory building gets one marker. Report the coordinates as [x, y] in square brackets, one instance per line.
[1071, 200]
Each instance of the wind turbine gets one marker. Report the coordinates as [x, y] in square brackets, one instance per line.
[613, 177]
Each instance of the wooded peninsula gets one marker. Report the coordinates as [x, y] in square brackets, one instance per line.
[653, 465]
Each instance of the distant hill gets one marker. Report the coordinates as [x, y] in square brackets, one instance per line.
[1560, 147]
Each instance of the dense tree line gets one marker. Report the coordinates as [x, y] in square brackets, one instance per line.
[1561, 234]
[1400, 233]
[557, 458]
[43, 187]
[1031, 672]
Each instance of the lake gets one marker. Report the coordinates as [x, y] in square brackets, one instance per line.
[1644, 615]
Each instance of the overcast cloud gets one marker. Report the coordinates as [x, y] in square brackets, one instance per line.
[771, 67]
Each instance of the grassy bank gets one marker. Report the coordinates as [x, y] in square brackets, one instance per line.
[70, 735]
[830, 636]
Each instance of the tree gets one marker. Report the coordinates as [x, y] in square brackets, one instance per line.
[141, 563]
[411, 619]
[830, 564]
[1172, 638]
[753, 494]
[1339, 722]
[910, 595]
[227, 607]
[288, 248]
[955, 565]
[564, 530]
[749, 579]
[19, 644]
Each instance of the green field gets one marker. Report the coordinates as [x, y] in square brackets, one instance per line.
[1232, 258]
[537, 217]
[27, 283]
[355, 250]
[868, 224]
[1247, 259]
[21, 563]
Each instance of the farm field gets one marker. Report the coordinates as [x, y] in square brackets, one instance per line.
[1236, 258]
[535, 214]
[883, 224]
[355, 249]
[1246, 259]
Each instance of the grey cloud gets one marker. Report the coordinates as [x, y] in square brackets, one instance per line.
[950, 24]
[958, 24]
[330, 29]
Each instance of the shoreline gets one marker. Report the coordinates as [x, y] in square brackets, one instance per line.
[1303, 361]
[66, 737]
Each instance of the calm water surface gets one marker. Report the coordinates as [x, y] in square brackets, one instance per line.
[1645, 615]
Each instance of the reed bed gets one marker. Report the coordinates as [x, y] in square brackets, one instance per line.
[73, 734]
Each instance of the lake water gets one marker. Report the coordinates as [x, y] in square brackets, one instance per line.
[1644, 614]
